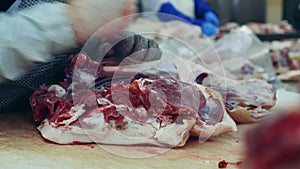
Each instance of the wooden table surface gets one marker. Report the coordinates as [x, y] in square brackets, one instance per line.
[21, 146]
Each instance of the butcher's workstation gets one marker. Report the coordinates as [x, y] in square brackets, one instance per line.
[176, 96]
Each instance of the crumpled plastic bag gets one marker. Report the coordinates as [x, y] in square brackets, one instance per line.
[243, 45]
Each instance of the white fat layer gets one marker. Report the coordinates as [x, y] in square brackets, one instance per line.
[173, 134]
[104, 101]
[63, 135]
[204, 131]
[98, 131]
[75, 112]
[59, 91]
[141, 111]
[256, 113]
[96, 120]
[86, 77]
[141, 83]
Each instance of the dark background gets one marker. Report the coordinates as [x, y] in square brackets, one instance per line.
[291, 12]
[5, 4]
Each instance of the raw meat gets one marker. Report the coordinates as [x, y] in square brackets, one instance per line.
[275, 143]
[127, 107]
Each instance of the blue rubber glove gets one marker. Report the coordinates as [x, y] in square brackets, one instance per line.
[208, 28]
[212, 18]
[174, 14]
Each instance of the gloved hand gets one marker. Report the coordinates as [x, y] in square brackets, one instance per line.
[212, 18]
[208, 28]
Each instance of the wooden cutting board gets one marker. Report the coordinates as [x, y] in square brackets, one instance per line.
[21, 146]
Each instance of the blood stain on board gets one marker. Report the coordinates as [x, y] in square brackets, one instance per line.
[224, 164]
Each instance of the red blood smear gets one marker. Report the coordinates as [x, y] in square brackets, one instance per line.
[82, 143]
[77, 143]
[223, 164]
[92, 146]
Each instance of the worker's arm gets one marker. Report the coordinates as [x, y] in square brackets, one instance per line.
[31, 36]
